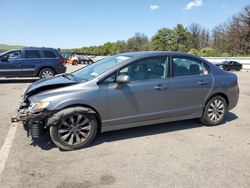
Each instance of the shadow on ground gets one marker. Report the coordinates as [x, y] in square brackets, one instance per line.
[17, 80]
[45, 142]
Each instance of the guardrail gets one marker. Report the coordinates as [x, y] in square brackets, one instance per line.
[245, 61]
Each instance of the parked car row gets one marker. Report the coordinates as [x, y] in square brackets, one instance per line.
[31, 62]
[76, 59]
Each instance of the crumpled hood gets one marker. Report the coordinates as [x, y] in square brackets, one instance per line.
[48, 83]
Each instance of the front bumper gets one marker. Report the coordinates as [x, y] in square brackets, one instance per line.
[26, 115]
[33, 123]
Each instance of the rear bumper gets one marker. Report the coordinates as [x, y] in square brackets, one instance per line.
[233, 97]
[61, 69]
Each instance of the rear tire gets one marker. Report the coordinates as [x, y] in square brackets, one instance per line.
[74, 130]
[214, 111]
[46, 73]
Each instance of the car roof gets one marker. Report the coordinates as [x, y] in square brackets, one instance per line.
[30, 48]
[37, 48]
[150, 53]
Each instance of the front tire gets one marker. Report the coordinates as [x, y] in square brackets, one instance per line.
[214, 111]
[74, 130]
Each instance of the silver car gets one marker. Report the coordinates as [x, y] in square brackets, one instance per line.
[127, 90]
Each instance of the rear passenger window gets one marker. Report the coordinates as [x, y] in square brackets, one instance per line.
[188, 67]
[32, 54]
[49, 54]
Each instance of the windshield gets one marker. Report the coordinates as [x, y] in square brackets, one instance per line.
[93, 70]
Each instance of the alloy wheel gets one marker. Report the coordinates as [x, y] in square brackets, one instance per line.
[216, 110]
[47, 74]
[74, 129]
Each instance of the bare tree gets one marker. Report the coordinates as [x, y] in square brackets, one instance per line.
[195, 31]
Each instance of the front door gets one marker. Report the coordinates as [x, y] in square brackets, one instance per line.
[146, 97]
[11, 64]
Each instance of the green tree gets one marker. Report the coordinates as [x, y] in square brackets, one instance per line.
[164, 39]
[181, 34]
[194, 51]
[139, 42]
[209, 52]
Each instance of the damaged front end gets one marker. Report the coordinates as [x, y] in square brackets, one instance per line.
[32, 118]
[33, 109]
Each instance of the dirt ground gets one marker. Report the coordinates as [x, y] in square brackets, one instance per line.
[179, 154]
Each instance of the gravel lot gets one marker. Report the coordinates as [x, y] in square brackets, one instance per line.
[179, 154]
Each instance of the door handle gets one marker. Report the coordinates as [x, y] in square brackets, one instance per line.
[203, 82]
[160, 87]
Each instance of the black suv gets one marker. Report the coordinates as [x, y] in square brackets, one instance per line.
[31, 62]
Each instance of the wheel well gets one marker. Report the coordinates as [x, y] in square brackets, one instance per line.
[97, 115]
[219, 94]
[45, 68]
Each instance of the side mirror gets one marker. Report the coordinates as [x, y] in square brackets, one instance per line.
[123, 79]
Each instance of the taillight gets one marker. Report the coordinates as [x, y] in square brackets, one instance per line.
[62, 61]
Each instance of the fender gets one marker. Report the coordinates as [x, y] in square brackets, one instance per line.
[55, 118]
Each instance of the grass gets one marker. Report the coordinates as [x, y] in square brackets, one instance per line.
[5, 47]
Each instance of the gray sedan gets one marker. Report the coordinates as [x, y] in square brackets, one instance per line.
[127, 90]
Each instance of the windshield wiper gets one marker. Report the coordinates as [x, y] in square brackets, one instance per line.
[76, 78]
[65, 75]
[69, 75]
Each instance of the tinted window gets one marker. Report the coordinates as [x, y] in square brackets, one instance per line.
[186, 67]
[150, 68]
[32, 54]
[110, 79]
[14, 54]
[49, 54]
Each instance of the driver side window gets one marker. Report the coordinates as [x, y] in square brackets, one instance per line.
[13, 55]
[145, 69]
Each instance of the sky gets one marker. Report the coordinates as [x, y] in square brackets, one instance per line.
[78, 23]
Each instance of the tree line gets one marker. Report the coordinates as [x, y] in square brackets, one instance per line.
[231, 38]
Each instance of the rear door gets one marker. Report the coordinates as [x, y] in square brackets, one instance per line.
[32, 60]
[12, 66]
[191, 84]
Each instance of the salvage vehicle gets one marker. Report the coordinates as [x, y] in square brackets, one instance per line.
[127, 90]
[230, 65]
[31, 62]
[76, 59]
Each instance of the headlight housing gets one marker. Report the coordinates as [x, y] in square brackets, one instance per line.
[38, 106]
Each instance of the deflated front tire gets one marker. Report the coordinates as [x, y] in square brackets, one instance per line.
[73, 128]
